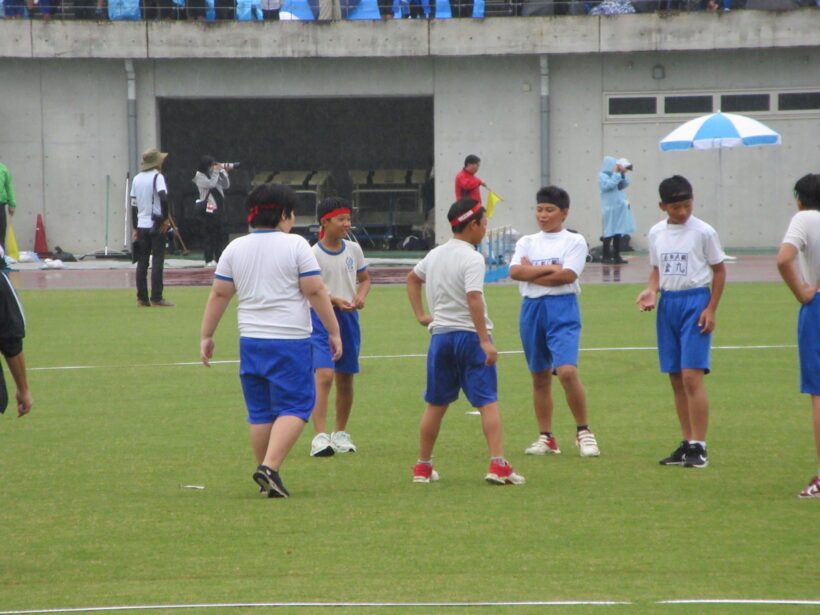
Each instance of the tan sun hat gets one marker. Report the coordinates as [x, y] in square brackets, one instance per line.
[152, 158]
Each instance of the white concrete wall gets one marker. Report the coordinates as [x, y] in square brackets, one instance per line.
[744, 192]
[63, 105]
[62, 130]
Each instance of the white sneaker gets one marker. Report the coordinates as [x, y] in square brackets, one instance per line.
[320, 446]
[587, 444]
[543, 446]
[341, 442]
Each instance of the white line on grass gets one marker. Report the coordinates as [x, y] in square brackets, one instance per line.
[392, 356]
[143, 607]
[739, 601]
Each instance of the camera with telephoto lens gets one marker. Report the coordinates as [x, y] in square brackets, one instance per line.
[229, 166]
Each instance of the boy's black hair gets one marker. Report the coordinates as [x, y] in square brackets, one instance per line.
[471, 159]
[271, 194]
[205, 164]
[330, 203]
[675, 189]
[554, 195]
[807, 189]
[460, 207]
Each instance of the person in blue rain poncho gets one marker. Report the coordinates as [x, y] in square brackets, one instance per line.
[615, 210]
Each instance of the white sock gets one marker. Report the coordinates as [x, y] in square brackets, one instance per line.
[701, 442]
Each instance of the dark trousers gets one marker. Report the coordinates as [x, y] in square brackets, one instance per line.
[3, 226]
[150, 244]
[213, 237]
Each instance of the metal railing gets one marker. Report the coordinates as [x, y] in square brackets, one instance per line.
[264, 10]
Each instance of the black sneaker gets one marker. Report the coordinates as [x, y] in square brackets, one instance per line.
[268, 479]
[677, 457]
[695, 457]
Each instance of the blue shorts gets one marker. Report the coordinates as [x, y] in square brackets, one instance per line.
[456, 361]
[808, 346]
[550, 329]
[277, 378]
[681, 345]
[348, 363]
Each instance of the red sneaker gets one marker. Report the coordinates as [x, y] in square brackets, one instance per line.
[503, 475]
[424, 473]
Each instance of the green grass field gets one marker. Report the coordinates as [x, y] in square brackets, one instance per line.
[92, 512]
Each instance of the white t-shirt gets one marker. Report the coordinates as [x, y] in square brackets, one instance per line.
[265, 267]
[684, 253]
[449, 272]
[563, 248]
[339, 269]
[804, 234]
[147, 199]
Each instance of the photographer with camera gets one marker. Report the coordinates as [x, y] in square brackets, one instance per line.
[617, 215]
[150, 224]
[212, 180]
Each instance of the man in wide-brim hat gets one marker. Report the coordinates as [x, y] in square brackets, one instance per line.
[152, 159]
[149, 221]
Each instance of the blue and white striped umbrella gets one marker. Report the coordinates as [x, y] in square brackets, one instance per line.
[719, 130]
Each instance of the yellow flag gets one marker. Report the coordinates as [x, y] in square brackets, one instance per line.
[492, 199]
[11, 243]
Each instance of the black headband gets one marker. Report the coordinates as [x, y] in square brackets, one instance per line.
[677, 198]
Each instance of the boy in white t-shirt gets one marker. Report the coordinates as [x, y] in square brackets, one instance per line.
[547, 266]
[686, 257]
[461, 353]
[802, 245]
[344, 272]
[275, 276]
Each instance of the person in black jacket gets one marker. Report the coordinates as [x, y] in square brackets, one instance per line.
[12, 332]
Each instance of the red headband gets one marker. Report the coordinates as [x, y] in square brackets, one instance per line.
[258, 208]
[465, 216]
[339, 211]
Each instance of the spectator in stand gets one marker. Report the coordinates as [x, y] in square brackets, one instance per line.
[270, 9]
[613, 7]
[15, 8]
[330, 10]
[467, 183]
[44, 7]
[385, 8]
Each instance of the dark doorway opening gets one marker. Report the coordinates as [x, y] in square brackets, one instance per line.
[376, 152]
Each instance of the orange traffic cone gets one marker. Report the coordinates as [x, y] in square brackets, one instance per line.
[40, 243]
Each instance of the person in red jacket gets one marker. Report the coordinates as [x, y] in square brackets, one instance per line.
[467, 184]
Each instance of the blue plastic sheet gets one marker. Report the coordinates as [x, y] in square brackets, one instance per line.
[119, 10]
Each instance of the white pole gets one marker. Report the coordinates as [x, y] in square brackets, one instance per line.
[125, 217]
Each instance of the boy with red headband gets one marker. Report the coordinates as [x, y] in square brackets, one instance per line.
[276, 277]
[344, 272]
[547, 266]
[461, 353]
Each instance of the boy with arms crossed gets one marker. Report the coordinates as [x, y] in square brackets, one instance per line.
[686, 256]
[461, 353]
[547, 265]
[344, 272]
[802, 243]
[275, 276]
